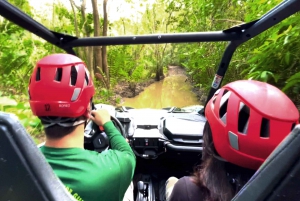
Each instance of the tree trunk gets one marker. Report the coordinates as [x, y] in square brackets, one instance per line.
[75, 18]
[80, 49]
[88, 50]
[157, 72]
[104, 53]
[97, 33]
[124, 28]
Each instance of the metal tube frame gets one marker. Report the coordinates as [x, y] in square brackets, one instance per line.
[235, 35]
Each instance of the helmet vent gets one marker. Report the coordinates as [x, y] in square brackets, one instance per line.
[216, 94]
[214, 99]
[38, 74]
[265, 128]
[224, 103]
[243, 119]
[86, 79]
[293, 126]
[73, 78]
[58, 74]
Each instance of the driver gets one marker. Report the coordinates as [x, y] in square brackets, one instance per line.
[60, 94]
[246, 120]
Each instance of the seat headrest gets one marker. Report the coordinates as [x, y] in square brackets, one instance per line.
[274, 175]
[24, 171]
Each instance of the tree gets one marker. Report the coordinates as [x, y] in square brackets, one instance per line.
[87, 52]
[75, 18]
[156, 20]
[97, 33]
[104, 53]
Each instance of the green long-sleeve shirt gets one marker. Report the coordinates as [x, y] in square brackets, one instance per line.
[93, 176]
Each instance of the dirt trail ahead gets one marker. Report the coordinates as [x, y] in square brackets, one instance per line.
[175, 70]
[127, 90]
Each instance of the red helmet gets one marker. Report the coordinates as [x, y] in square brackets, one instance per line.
[60, 86]
[248, 120]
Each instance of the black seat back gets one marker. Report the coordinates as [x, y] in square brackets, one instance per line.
[24, 172]
[279, 176]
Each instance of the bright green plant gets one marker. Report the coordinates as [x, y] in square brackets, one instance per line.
[23, 112]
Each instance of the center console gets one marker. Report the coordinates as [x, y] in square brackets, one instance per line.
[145, 189]
[171, 136]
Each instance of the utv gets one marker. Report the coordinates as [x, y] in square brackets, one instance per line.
[166, 143]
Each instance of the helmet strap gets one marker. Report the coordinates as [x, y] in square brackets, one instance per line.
[87, 112]
[85, 123]
[69, 122]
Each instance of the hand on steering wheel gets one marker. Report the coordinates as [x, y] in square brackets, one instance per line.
[100, 117]
[94, 137]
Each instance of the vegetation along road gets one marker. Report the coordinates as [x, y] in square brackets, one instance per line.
[134, 74]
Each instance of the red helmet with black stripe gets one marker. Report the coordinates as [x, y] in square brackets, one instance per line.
[248, 120]
[60, 86]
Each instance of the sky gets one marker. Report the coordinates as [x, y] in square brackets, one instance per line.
[116, 8]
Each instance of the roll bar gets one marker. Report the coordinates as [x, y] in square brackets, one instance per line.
[235, 36]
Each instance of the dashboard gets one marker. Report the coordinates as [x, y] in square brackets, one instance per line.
[152, 132]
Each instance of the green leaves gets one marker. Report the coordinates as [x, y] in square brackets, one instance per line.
[5, 101]
[287, 58]
[23, 112]
[293, 81]
[276, 61]
[273, 56]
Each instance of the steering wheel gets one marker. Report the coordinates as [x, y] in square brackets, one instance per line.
[96, 139]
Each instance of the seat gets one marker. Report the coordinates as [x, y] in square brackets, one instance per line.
[278, 178]
[24, 173]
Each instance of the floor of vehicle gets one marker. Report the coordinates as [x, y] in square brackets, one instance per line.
[165, 166]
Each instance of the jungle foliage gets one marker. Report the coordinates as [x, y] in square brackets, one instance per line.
[272, 56]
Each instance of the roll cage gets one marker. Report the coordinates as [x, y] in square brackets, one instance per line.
[235, 36]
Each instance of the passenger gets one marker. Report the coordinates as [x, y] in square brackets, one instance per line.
[60, 94]
[246, 120]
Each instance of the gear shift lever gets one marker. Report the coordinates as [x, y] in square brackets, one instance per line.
[143, 191]
[141, 187]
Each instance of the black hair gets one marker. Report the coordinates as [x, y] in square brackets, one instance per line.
[219, 180]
